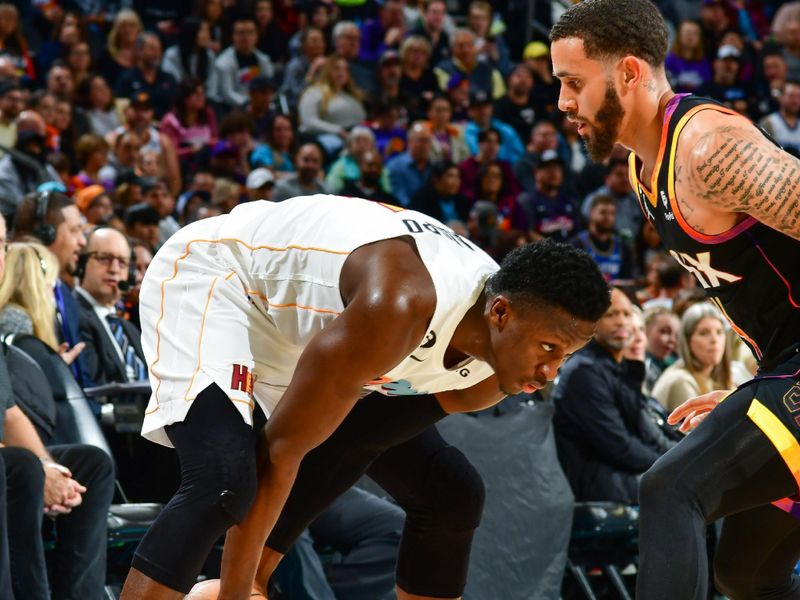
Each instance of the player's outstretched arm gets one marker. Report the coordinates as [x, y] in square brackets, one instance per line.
[735, 168]
[390, 301]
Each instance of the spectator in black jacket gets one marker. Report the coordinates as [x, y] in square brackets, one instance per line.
[604, 434]
[369, 186]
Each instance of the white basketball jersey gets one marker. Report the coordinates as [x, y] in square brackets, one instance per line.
[276, 269]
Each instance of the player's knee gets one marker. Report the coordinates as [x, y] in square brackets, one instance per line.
[731, 580]
[231, 484]
[455, 490]
[657, 488]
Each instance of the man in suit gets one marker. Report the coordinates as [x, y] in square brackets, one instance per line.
[113, 350]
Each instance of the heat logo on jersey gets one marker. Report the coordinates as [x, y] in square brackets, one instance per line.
[700, 267]
[242, 379]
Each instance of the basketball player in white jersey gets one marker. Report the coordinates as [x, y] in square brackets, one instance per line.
[316, 313]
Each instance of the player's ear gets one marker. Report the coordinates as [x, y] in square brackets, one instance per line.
[631, 71]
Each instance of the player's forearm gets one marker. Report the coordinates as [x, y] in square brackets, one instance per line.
[244, 542]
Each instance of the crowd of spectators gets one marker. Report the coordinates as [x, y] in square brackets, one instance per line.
[142, 116]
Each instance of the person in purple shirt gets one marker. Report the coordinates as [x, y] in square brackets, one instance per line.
[686, 64]
[387, 31]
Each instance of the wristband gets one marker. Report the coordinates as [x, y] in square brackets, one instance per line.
[49, 464]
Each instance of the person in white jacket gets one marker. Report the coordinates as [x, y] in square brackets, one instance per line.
[238, 64]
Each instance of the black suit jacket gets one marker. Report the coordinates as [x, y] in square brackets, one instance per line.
[101, 356]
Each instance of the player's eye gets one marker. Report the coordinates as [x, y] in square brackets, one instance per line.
[548, 347]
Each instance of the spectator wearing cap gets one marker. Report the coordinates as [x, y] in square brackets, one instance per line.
[347, 44]
[332, 106]
[139, 119]
[141, 223]
[409, 171]
[224, 159]
[346, 168]
[458, 94]
[725, 85]
[261, 92]
[11, 104]
[157, 195]
[489, 141]
[239, 63]
[276, 153]
[369, 185]
[147, 75]
[302, 70]
[307, 180]
[546, 88]
[417, 82]
[431, 27]
[91, 153]
[260, 184]
[385, 31]
[448, 141]
[481, 114]
[517, 107]
[482, 75]
[95, 204]
[272, 40]
[191, 124]
[546, 210]
[191, 57]
[237, 130]
[389, 129]
[686, 63]
[24, 170]
[440, 196]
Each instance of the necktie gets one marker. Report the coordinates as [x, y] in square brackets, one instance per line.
[137, 371]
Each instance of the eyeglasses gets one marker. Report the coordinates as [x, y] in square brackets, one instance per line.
[106, 259]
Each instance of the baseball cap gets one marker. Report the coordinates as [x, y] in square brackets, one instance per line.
[536, 50]
[140, 99]
[86, 197]
[389, 56]
[224, 148]
[728, 51]
[261, 83]
[258, 178]
[479, 97]
[456, 79]
[547, 157]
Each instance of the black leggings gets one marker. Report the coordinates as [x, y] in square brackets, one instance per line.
[393, 441]
[725, 468]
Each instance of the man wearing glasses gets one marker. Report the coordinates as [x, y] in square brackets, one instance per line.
[113, 349]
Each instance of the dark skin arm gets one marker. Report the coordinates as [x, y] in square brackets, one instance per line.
[389, 300]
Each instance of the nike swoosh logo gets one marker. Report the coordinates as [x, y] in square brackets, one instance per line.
[417, 359]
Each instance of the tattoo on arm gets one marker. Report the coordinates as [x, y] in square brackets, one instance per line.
[737, 169]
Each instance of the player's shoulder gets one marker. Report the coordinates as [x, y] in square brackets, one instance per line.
[711, 124]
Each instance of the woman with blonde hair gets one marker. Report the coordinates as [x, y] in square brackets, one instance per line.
[686, 63]
[704, 362]
[27, 304]
[120, 46]
[332, 106]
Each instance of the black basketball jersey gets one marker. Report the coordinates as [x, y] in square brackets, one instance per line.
[751, 272]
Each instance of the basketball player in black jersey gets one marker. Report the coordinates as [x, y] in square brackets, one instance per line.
[726, 201]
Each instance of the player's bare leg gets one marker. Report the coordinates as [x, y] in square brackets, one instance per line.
[139, 586]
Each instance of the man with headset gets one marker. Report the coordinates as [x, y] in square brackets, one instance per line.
[106, 268]
[54, 219]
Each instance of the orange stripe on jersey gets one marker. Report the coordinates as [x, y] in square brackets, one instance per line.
[738, 329]
[311, 308]
[187, 251]
[391, 207]
[673, 199]
[650, 191]
[200, 338]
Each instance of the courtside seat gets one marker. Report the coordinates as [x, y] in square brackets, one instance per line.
[604, 541]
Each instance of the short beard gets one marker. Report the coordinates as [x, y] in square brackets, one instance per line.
[608, 119]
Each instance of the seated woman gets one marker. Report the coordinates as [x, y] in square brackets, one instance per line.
[27, 302]
[661, 327]
[191, 124]
[331, 107]
[704, 364]
[276, 154]
[439, 196]
[191, 57]
[448, 137]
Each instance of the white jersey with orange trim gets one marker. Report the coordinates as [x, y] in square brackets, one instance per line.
[234, 300]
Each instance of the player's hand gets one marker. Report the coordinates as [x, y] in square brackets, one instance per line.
[693, 411]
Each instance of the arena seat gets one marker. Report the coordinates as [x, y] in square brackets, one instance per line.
[604, 540]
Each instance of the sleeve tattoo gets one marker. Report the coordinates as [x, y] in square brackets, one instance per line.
[736, 168]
